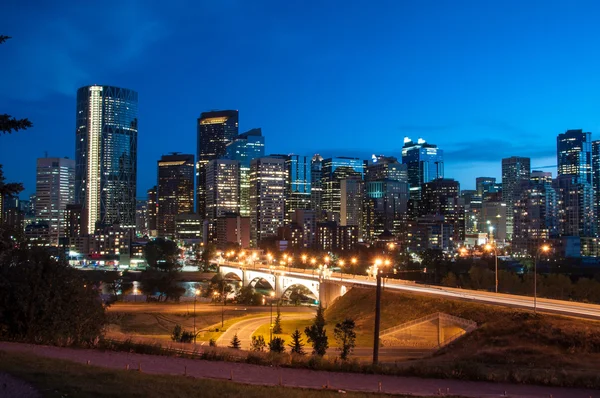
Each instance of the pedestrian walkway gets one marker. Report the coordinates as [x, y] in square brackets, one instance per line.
[265, 375]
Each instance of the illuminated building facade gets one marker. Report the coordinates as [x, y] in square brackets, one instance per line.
[333, 171]
[245, 147]
[152, 210]
[106, 155]
[267, 197]
[216, 129]
[298, 184]
[440, 197]
[351, 202]
[316, 186]
[515, 171]
[596, 176]
[424, 162]
[222, 188]
[55, 188]
[175, 191]
[574, 155]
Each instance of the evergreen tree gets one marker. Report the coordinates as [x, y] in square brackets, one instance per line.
[277, 325]
[297, 346]
[316, 333]
[277, 345]
[346, 336]
[235, 342]
[258, 343]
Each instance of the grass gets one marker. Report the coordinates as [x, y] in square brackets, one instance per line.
[56, 378]
[158, 325]
[288, 327]
[509, 345]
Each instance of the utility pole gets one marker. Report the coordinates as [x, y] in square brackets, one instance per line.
[377, 321]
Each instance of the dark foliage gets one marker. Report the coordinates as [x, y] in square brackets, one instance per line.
[161, 276]
[316, 333]
[45, 301]
[346, 337]
[277, 344]
[297, 345]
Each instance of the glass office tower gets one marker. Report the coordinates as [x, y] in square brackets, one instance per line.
[425, 163]
[106, 155]
[216, 129]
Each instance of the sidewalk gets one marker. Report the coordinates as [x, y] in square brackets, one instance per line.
[254, 374]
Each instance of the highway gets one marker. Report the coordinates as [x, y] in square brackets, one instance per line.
[581, 310]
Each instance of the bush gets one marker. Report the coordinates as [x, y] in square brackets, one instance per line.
[258, 343]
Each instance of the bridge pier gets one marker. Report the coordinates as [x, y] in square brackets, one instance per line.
[329, 291]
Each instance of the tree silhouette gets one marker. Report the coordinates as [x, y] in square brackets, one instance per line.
[297, 346]
[316, 333]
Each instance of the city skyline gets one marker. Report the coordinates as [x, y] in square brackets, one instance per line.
[454, 85]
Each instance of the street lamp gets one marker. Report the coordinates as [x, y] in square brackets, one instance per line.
[545, 249]
[304, 257]
[489, 247]
[271, 328]
[196, 293]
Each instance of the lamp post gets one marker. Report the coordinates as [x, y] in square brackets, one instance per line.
[495, 249]
[543, 248]
[196, 293]
[271, 327]
[377, 320]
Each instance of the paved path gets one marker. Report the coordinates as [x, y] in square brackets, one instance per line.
[246, 328]
[263, 375]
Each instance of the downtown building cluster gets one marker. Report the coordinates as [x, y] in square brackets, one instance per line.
[230, 193]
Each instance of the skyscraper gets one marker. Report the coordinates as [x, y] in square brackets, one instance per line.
[245, 147]
[175, 191]
[316, 188]
[106, 155]
[152, 210]
[332, 172]
[574, 155]
[515, 171]
[216, 129]
[55, 188]
[298, 169]
[425, 162]
[267, 197]
[351, 202]
[596, 176]
[222, 188]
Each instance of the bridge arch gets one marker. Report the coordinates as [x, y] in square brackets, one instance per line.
[257, 279]
[286, 294]
[232, 275]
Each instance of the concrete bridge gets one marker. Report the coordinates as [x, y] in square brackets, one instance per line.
[325, 289]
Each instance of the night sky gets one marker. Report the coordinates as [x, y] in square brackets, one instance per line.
[481, 79]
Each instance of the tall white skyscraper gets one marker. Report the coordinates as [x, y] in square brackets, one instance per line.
[106, 155]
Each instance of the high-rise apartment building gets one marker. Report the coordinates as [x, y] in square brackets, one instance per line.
[216, 129]
[386, 168]
[515, 171]
[574, 155]
[298, 189]
[245, 147]
[536, 214]
[141, 217]
[351, 202]
[425, 163]
[106, 155]
[175, 191]
[333, 171]
[440, 197]
[267, 197]
[55, 188]
[575, 206]
[222, 188]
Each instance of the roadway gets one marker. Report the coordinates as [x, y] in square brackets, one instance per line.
[581, 310]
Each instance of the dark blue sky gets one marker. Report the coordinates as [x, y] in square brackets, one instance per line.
[482, 79]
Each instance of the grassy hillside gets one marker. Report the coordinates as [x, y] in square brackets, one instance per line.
[60, 378]
[509, 344]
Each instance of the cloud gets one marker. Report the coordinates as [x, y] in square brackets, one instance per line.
[489, 149]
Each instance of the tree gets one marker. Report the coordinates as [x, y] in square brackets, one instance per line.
[9, 189]
[277, 325]
[258, 343]
[163, 270]
[208, 253]
[218, 284]
[297, 346]
[249, 296]
[176, 334]
[346, 336]
[450, 280]
[8, 124]
[277, 344]
[118, 286]
[45, 301]
[235, 342]
[298, 293]
[316, 333]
